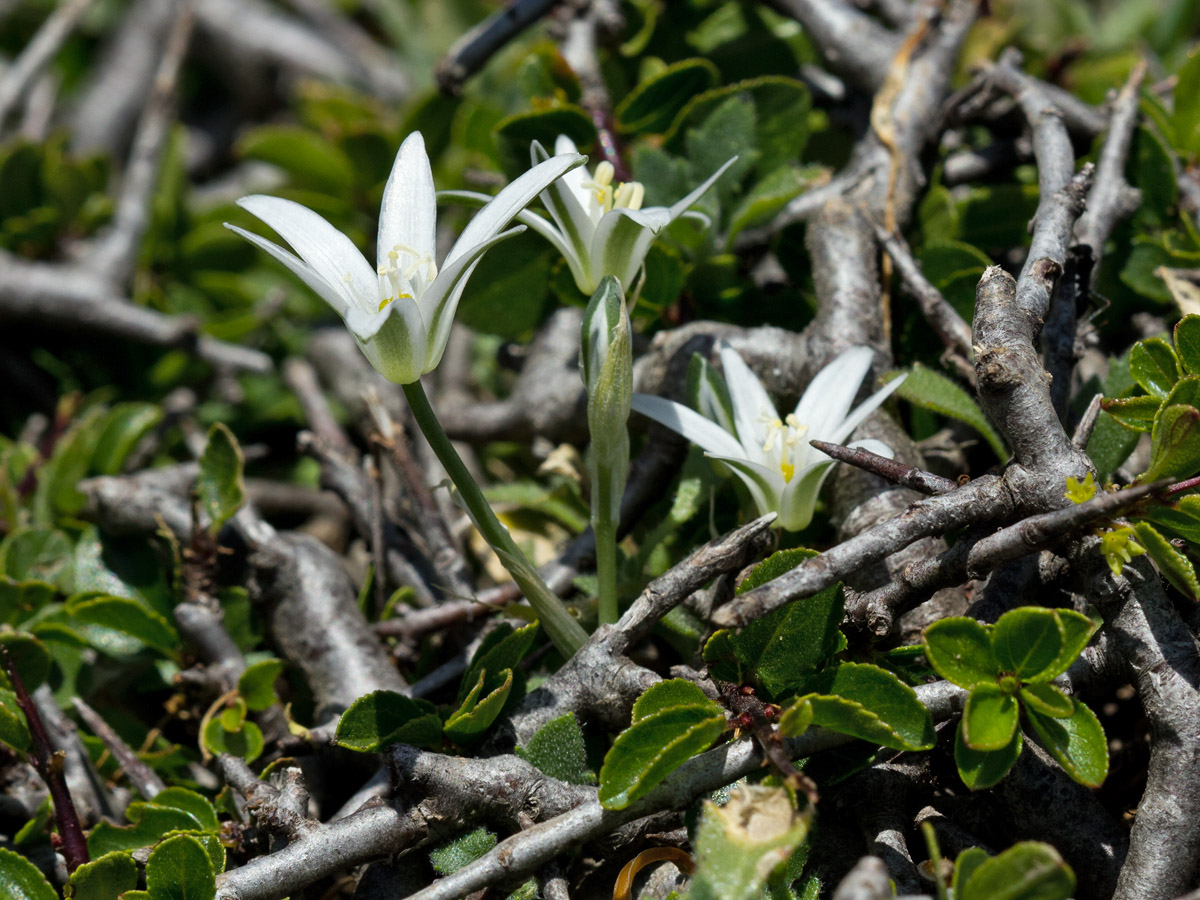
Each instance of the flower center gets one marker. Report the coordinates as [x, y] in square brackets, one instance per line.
[408, 282]
[783, 436]
[605, 197]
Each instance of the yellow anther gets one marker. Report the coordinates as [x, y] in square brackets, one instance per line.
[384, 302]
[630, 195]
[788, 471]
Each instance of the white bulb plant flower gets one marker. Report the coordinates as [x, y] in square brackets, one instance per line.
[399, 311]
[738, 424]
[599, 226]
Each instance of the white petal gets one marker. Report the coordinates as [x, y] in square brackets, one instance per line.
[678, 208]
[566, 199]
[868, 406]
[440, 301]
[700, 431]
[330, 253]
[751, 403]
[510, 201]
[800, 496]
[828, 396]
[623, 239]
[397, 342]
[575, 179]
[408, 215]
[299, 267]
[765, 485]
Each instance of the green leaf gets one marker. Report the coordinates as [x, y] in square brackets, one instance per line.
[13, 729]
[1176, 443]
[1025, 871]
[244, 740]
[21, 599]
[462, 850]
[1181, 518]
[652, 105]
[150, 822]
[1185, 118]
[1154, 366]
[41, 554]
[257, 683]
[479, 709]
[514, 134]
[198, 807]
[981, 769]
[964, 867]
[960, 650]
[105, 878]
[790, 643]
[22, 880]
[667, 695]
[1187, 343]
[766, 198]
[873, 704]
[180, 869]
[1047, 700]
[1076, 742]
[1076, 630]
[29, 656]
[385, 717]
[501, 648]
[128, 617]
[219, 485]
[126, 425]
[1135, 413]
[1174, 565]
[507, 293]
[653, 747]
[310, 159]
[1027, 641]
[558, 751]
[989, 718]
[931, 390]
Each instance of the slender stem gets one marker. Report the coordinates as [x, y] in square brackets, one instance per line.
[604, 527]
[567, 634]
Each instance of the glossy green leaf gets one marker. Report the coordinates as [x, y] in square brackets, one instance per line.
[1025, 871]
[150, 822]
[667, 695]
[933, 391]
[965, 865]
[1076, 630]
[1154, 366]
[870, 703]
[480, 708]
[797, 717]
[654, 746]
[128, 617]
[1181, 518]
[125, 426]
[778, 563]
[105, 878]
[981, 769]
[13, 729]
[385, 717]
[960, 650]
[462, 850]
[22, 880]
[1076, 742]
[1135, 413]
[1027, 641]
[257, 683]
[557, 750]
[219, 486]
[989, 718]
[1187, 343]
[652, 105]
[501, 648]
[514, 134]
[1047, 700]
[310, 159]
[180, 869]
[28, 655]
[245, 741]
[1173, 564]
[195, 805]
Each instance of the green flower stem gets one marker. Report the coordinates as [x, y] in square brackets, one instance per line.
[567, 634]
[604, 527]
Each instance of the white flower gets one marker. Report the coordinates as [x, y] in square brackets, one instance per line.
[599, 227]
[772, 456]
[400, 312]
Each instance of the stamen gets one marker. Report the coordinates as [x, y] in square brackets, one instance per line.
[604, 174]
[630, 195]
[788, 471]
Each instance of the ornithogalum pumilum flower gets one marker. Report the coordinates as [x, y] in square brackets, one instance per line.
[741, 427]
[400, 311]
[598, 226]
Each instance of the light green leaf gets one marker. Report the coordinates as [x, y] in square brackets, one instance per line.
[128, 617]
[1187, 343]
[981, 769]
[1025, 871]
[1047, 699]
[870, 703]
[964, 867]
[310, 159]
[1154, 366]
[257, 683]
[1185, 119]
[245, 741]
[219, 485]
[1027, 641]
[931, 390]
[557, 750]
[180, 869]
[462, 850]
[22, 880]
[126, 424]
[150, 822]
[1135, 413]
[960, 650]
[479, 709]
[385, 717]
[198, 807]
[667, 695]
[13, 729]
[1181, 518]
[1076, 630]
[1076, 742]
[989, 718]
[501, 648]
[653, 747]
[1174, 565]
[105, 878]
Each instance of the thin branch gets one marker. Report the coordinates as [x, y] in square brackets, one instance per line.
[143, 778]
[472, 51]
[38, 54]
[893, 470]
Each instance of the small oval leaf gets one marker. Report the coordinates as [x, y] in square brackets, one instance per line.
[1027, 641]
[180, 869]
[960, 650]
[1076, 742]
[989, 718]
[385, 717]
[981, 769]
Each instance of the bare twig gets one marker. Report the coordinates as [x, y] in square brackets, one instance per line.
[472, 51]
[893, 470]
[38, 53]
